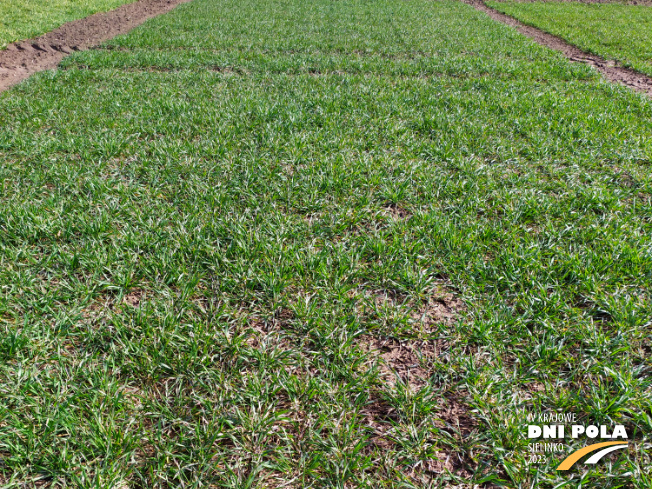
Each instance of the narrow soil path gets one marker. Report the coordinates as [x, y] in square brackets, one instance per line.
[611, 70]
[22, 59]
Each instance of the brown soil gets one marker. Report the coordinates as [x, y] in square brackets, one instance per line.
[402, 359]
[262, 333]
[24, 58]
[443, 308]
[456, 415]
[396, 212]
[384, 426]
[611, 70]
[134, 297]
[380, 417]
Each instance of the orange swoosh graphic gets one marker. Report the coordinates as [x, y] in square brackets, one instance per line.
[575, 456]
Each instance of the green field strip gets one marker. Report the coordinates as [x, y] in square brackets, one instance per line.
[614, 31]
[25, 19]
[408, 65]
[194, 240]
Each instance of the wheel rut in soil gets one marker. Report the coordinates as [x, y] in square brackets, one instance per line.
[611, 70]
[24, 58]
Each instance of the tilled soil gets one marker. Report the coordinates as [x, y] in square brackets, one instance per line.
[22, 59]
[611, 70]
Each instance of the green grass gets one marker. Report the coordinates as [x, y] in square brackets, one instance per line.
[613, 31]
[208, 225]
[25, 19]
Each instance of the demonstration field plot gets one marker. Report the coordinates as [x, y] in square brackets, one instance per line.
[24, 19]
[614, 31]
[325, 244]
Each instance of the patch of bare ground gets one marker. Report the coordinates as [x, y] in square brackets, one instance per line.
[612, 70]
[532, 389]
[441, 308]
[134, 396]
[109, 303]
[409, 362]
[402, 361]
[382, 420]
[317, 73]
[442, 463]
[262, 332]
[134, 297]
[642, 346]
[379, 418]
[456, 415]
[24, 58]
[395, 211]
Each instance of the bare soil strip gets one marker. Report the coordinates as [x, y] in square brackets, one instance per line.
[24, 58]
[611, 70]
